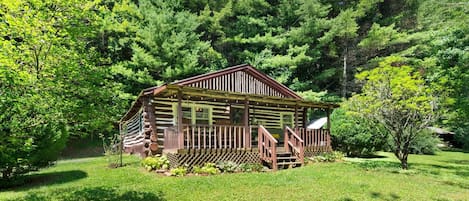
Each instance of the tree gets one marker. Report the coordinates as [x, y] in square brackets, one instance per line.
[396, 96]
[51, 83]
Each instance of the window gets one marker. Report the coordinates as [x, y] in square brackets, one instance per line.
[237, 115]
[202, 115]
[286, 119]
[186, 114]
[194, 114]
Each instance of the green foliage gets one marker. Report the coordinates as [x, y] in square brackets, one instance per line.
[354, 135]
[46, 88]
[155, 163]
[333, 156]
[322, 96]
[250, 167]
[425, 143]
[379, 37]
[395, 97]
[71, 68]
[207, 169]
[227, 166]
[178, 172]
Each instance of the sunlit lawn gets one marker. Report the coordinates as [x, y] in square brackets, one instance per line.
[444, 176]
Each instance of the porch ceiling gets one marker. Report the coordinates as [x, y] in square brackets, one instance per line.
[194, 93]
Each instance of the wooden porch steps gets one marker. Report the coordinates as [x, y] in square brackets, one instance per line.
[286, 160]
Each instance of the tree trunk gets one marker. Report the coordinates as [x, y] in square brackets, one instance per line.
[402, 156]
[344, 75]
[404, 165]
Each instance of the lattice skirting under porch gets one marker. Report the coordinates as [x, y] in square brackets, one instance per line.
[191, 159]
[315, 150]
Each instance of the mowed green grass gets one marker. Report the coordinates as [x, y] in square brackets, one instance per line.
[444, 176]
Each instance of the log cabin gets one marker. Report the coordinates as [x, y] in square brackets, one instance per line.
[236, 114]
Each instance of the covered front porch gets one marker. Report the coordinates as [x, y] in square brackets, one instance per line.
[259, 126]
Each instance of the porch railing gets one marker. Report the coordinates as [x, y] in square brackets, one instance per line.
[294, 144]
[315, 139]
[208, 137]
[267, 147]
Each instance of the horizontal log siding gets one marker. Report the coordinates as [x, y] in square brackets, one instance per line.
[165, 115]
[240, 82]
[133, 130]
[269, 115]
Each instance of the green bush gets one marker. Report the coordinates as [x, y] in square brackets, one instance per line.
[250, 167]
[328, 157]
[178, 172]
[155, 163]
[208, 169]
[33, 131]
[461, 138]
[355, 136]
[424, 143]
[227, 166]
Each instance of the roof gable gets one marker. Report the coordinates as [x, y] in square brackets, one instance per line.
[240, 79]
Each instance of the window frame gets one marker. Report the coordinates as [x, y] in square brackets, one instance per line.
[193, 107]
[282, 123]
[240, 108]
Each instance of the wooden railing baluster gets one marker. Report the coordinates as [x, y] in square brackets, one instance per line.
[267, 147]
[294, 143]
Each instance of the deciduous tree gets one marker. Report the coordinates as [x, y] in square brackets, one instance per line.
[396, 96]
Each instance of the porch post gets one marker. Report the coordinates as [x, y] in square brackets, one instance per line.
[296, 118]
[305, 117]
[179, 120]
[328, 138]
[328, 111]
[247, 137]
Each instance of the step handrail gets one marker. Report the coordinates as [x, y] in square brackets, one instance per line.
[295, 144]
[267, 146]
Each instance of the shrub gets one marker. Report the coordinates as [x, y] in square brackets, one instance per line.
[355, 136]
[461, 138]
[424, 143]
[208, 169]
[328, 157]
[250, 167]
[155, 163]
[227, 166]
[178, 172]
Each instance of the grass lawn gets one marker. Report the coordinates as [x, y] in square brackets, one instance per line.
[444, 176]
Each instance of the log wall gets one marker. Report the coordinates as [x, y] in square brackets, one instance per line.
[268, 116]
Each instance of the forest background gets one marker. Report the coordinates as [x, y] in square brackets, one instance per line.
[71, 69]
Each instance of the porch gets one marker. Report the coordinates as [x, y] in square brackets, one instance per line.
[198, 144]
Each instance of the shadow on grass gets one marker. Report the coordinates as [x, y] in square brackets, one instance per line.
[462, 171]
[41, 179]
[96, 193]
[451, 149]
[457, 184]
[380, 196]
[372, 156]
[458, 162]
[345, 199]
[375, 165]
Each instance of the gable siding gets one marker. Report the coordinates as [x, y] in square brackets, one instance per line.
[239, 82]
